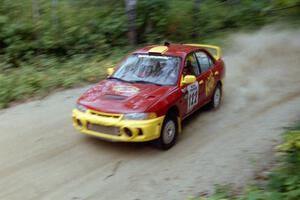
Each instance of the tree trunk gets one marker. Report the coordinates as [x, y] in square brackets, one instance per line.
[196, 10]
[35, 10]
[131, 16]
[54, 13]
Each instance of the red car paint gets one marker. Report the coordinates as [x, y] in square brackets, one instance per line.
[136, 97]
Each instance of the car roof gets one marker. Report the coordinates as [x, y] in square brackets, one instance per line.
[180, 50]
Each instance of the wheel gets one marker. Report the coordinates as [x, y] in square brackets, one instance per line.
[216, 98]
[168, 133]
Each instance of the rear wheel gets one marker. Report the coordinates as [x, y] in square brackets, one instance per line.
[168, 133]
[216, 97]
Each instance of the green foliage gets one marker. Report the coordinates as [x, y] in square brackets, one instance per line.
[151, 24]
[42, 74]
[283, 182]
[44, 45]
[286, 179]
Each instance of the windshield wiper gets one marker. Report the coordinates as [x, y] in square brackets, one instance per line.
[146, 82]
[115, 78]
[134, 81]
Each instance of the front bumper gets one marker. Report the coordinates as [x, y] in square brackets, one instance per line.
[112, 127]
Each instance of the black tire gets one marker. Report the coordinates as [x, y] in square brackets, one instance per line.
[170, 126]
[214, 103]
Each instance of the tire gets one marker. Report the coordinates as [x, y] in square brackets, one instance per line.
[216, 98]
[168, 135]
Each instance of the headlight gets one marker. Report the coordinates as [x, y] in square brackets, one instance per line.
[139, 116]
[81, 108]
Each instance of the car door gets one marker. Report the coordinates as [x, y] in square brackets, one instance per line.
[191, 92]
[206, 79]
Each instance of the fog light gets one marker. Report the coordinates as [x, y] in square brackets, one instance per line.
[79, 122]
[140, 132]
[128, 132]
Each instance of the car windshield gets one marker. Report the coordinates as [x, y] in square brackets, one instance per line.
[151, 69]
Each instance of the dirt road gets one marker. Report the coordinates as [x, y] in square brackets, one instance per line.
[43, 157]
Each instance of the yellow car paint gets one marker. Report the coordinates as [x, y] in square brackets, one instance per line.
[218, 51]
[110, 71]
[209, 84]
[188, 79]
[149, 128]
[179, 124]
[159, 49]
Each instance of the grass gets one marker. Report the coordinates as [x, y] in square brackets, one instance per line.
[41, 75]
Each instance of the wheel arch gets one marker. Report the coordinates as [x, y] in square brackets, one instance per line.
[171, 114]
[174, 111]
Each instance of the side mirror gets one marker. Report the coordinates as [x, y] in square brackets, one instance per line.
[110, 71]
[188, 79]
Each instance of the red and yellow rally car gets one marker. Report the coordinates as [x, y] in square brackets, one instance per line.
[148, 95]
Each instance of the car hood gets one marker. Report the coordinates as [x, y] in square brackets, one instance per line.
[121, 97]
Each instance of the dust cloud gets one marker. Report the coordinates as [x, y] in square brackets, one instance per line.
[262, 66]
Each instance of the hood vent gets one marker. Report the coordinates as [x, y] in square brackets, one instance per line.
[114, 97]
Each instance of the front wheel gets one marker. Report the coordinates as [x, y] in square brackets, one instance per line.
[168, 134]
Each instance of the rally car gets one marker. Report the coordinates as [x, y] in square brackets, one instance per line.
[147, 96]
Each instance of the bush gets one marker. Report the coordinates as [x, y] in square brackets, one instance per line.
[44, 45]
[283, 182]
[44, 74]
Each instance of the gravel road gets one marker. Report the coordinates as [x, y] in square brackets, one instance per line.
[43, 157]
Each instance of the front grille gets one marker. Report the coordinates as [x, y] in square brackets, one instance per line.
[110, 130]
[115, 116]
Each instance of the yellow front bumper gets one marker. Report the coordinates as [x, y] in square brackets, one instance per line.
[141, 130]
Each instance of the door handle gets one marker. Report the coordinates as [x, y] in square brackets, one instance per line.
[216, 73]
[201, 82]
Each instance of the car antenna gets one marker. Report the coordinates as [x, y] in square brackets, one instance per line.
[167, 44]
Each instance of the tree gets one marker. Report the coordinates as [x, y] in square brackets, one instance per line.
[54, 13]
[196, 11]
[130, 6]
[35, 10]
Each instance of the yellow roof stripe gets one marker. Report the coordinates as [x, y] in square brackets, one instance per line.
[159, 49]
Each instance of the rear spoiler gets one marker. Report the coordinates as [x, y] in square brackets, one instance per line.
[214, 50]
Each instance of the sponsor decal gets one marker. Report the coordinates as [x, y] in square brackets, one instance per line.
[193, 94]
[150, 56]
[126, 90]
[209, 86]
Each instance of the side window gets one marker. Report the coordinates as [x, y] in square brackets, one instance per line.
[191, 66]
[204, 61]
